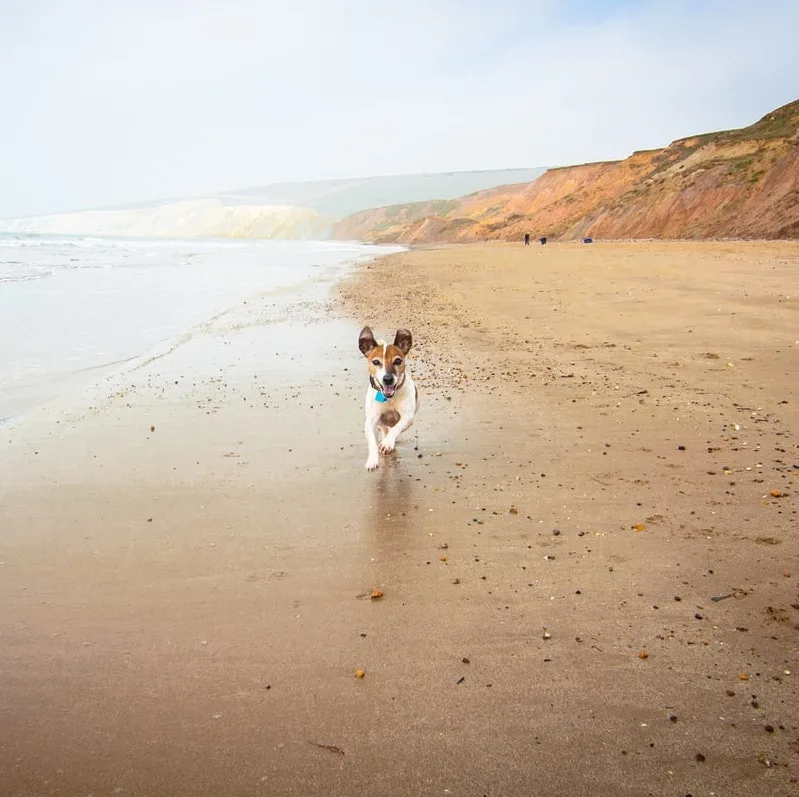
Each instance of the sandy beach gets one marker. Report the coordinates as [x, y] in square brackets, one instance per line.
[587, 544]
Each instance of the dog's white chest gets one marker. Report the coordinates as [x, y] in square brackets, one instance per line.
[389, 411]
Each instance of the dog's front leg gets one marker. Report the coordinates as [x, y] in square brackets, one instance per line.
[370, 430]
[390, 440]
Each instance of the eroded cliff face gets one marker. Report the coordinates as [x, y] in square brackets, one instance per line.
[380, 220]
[738, 183]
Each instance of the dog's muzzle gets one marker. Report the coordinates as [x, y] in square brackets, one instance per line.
[389, 386]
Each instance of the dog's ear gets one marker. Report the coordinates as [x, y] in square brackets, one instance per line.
[366, 341]
[403, 340]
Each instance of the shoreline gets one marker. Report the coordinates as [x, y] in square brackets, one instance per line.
[47, 383]
[189, 554]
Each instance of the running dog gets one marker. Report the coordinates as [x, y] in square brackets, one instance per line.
[392, 397]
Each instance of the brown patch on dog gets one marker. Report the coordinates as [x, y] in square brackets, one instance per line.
[394, 353]
[389, 418]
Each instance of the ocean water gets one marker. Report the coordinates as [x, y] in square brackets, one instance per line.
[74, 308]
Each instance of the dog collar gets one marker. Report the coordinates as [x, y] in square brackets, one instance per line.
[379, 396]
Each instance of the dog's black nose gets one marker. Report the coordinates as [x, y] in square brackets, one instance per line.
[388, 379]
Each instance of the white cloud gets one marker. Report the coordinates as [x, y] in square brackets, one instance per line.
[107, 102]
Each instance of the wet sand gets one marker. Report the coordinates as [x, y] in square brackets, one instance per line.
[188, 549]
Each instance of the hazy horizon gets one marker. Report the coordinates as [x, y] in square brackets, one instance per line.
[243, 192]
[125, 103]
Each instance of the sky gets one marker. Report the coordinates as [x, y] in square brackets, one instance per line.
[109, 102]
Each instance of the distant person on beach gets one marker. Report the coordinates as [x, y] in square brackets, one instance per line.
[527, 239]
[543, 240]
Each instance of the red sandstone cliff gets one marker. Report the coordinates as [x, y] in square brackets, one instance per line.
[733, 184]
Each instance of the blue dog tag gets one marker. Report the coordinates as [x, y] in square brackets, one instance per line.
[380, 397]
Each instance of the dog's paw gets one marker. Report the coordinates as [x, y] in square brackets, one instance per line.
[387, 446]
[371, 463]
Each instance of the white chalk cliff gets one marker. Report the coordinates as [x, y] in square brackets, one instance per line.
[306, 210]
[201, 218]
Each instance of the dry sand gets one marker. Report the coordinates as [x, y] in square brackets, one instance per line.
[187, 550]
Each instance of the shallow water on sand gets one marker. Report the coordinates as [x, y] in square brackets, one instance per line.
[72, 308]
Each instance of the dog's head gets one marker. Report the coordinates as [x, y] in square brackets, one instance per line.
[386, 360]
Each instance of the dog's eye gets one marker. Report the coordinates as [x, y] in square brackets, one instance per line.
[376, 362]
[397, 361]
